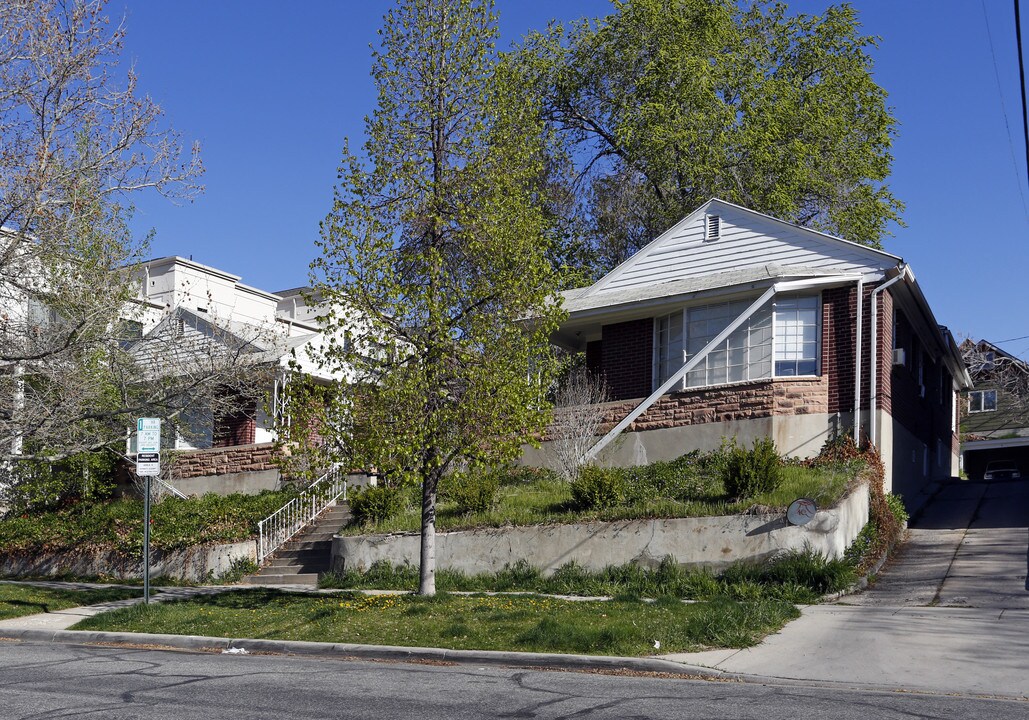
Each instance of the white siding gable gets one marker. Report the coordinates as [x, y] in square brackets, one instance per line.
[745, 240]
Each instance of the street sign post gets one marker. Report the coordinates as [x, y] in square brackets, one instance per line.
[148, 465]
[148, 447]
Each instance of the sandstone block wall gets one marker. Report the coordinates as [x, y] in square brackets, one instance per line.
[224, 461]
[725, 403]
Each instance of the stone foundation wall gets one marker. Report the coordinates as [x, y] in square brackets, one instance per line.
[723, 403]
[224, 461]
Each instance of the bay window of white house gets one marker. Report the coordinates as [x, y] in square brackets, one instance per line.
[779, 340]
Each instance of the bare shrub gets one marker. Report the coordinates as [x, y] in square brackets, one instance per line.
[578, 416]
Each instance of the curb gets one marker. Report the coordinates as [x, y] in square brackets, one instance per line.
[553, 661]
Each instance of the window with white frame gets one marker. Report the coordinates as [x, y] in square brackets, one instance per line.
[780, 338]
[796, 336]
[982, 401]
[667, 346]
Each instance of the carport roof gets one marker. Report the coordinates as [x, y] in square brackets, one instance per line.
[995, 444]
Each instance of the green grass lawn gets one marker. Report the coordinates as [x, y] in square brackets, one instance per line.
[19, 600]
[118, 524]
[627, 627]
[795, 577]
[549, 500]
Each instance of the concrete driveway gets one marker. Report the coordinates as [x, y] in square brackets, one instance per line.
[969, 548]
[949, 614]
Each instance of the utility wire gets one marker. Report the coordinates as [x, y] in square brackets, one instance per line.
[1021, 85]
[1004, 113]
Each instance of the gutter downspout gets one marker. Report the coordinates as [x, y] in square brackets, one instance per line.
[857, 362]
[873, 370]
[779, 287]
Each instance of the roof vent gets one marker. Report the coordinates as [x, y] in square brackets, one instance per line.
[712, 227]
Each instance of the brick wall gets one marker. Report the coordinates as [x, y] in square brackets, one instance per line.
[925, 414]
[222, 461]
[907, 405]
[236, 428]
[626, 351]
[839, 315]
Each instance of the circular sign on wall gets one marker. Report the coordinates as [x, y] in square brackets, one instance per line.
[801, 511]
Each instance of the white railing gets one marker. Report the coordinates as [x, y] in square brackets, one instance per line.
[171, 488]
[292, 517]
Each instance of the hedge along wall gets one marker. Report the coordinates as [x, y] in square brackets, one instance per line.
[711, 542]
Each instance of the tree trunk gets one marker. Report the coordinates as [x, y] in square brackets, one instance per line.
[427, 576]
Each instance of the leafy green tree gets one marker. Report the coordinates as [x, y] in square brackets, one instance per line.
[435, 256]
[667, 103]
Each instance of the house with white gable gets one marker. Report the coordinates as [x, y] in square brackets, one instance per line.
[211, 310]
[736, 324]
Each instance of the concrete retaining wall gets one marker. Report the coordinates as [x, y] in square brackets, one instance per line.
[248, 483]
[712, 542]
[195, 564]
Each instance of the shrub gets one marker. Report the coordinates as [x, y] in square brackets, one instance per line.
[376, 503]
[896, 505]
[598, 488]
[752, 472]
[36, 485]
[684, 479]
[525, 475]
[838, 452]
[474, 492]
[238, 569]
[118, 524]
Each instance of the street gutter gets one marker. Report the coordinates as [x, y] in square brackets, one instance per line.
[200, 643]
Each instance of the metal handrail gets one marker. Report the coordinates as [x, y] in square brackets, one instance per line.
[295, 515]
[171, 488]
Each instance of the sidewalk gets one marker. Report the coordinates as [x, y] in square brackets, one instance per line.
[965, 651]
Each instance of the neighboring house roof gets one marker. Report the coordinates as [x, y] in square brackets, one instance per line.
[1008, 377]
[205, 335]
[987, 346]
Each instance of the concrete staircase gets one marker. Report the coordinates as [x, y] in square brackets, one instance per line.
[304, 558]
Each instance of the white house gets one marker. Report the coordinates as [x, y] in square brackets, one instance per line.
[277, 330]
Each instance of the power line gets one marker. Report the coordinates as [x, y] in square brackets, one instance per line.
[1004, 113]
[998, 342]
[1021, 85]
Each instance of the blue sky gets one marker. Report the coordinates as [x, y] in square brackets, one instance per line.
[270, 90]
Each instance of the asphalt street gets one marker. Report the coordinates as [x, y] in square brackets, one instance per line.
[64, 681]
